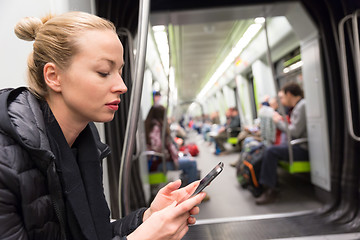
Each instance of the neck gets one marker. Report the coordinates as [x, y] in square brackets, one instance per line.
[69, 125]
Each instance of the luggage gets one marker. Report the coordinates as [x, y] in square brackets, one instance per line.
[248, 169]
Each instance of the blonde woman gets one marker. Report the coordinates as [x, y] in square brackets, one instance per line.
[50, 153]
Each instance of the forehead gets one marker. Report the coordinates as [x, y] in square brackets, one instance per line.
[100, 44]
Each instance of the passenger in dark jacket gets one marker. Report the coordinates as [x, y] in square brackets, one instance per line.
[50, 152]
[231, 129]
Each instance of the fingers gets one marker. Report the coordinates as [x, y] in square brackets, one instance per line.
[180, 219]
[190, 203]
[170, 187]
[190, 189]
[191, 220]
[195, 211]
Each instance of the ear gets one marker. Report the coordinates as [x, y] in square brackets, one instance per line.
[52, 77]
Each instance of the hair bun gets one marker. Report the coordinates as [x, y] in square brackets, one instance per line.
[27, 28]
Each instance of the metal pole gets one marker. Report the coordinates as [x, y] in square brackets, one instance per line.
[130, 134]
[277, 87]
[165, 120]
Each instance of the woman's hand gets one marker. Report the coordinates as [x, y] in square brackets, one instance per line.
[170, 223]
[170, 193]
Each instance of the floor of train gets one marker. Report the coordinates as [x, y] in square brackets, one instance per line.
[229, 200]
[231, 212]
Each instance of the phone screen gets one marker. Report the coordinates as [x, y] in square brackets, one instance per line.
[209, 177]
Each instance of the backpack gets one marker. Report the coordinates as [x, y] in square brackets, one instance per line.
[248, 170]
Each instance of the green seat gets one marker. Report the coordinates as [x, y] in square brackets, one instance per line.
[157, 178]
[296, 166]
[232, 140]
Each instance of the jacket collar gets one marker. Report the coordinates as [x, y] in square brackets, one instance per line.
[21, 118]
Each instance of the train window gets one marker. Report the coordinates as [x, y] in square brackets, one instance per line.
[288, 68]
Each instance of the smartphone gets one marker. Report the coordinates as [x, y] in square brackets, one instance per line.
[209, 177]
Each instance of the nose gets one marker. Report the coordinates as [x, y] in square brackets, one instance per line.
[119, 86]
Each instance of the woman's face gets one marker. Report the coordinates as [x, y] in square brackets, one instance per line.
[92, 84]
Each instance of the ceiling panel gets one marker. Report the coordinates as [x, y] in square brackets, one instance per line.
[200, 49]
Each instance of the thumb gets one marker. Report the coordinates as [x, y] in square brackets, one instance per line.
[169, 188]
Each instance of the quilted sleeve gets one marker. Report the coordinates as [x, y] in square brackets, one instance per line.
[11, 224]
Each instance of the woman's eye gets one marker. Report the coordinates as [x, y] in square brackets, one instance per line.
[103, 74]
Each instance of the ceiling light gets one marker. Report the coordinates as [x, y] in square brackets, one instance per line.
[249, 34]
[162, 44]
[293, 67]
[259, 20]
[158, 28]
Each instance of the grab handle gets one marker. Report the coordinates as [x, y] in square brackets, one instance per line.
[344, 70]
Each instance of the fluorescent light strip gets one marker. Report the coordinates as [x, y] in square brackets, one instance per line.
[239, 47]
[293, 67]
[162, 44]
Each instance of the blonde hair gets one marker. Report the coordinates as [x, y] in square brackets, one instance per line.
[55, 41]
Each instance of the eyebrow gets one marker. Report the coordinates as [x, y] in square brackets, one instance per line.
[112, 63]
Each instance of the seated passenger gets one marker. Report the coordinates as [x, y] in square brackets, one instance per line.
[153, 128]
[233, 124]
[270, 133]
[293, 98]
[206, 128]
[265, 132]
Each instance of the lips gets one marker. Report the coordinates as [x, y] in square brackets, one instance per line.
[116, 102]
[114, 105]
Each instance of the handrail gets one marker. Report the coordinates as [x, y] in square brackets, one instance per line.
[345, 77]
[298, 141]
[133, 117]
[130, 41]
[356, 45]
[277, 87]
[153, 153]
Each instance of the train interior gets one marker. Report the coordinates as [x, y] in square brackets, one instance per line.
[208, 57]
[197, 48]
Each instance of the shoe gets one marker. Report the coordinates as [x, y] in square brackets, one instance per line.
[217, 151]
[268, 196]
[222, 153]
[233, 164]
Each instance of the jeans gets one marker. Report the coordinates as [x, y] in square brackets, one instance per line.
[268, 174]
[188, 166]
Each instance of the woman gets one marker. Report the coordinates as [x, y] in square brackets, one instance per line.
[153, 128]
[50, 152]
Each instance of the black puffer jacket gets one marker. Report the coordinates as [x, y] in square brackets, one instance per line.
[29, 185]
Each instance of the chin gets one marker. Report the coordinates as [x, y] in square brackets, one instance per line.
[105, 118]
